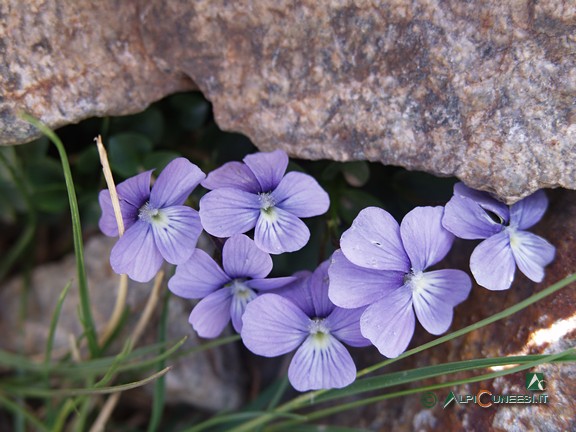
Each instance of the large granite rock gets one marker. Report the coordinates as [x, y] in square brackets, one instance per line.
[547, 327]
[63, 62]
[482, 89]
[211, 380]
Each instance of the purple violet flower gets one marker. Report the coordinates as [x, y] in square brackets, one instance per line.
[257, 194]
[381, 265]
[472, 214]
[157, 224]
[301, 316]
[224, 292]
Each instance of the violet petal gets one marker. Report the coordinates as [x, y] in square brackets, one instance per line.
[242, 258]
[529, 211]
[434, 296]
[132, 194]
[225, 212]
[492, 263]
[298, 292]
[278, 231]
[238, 306]
[135, 190]
[268, 168]
[136, 254]
[197, 277]
[301, 195]
[464, 218]
[176, 181]
[352, 286]
[318, 286]
[389, 323]
[373, 241]
[344, 324]
[425, 240]
[273, 325]
[532, 253]
[235, 175]
[176, 233]
[484, 200]
[211, 315]
[269, 284]
[322, 365]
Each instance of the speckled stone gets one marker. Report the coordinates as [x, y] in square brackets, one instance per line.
[483, 90]
[67, 61]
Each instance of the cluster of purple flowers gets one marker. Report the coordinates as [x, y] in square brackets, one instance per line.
[370, 292]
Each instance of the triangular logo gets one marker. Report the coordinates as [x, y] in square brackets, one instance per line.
[449, 399]
[535, 381]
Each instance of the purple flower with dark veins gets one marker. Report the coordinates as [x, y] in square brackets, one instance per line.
[302, 317]
[472, 214]
[225, 291]
[257, 194]
[157, 224]
[382, 266]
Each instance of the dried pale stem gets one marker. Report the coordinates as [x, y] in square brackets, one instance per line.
[100, 423]
[123, 286]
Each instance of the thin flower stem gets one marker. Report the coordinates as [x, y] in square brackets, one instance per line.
[120, 304]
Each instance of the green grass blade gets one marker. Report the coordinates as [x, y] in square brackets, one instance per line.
[93, 367]
[54, 323]
[86, 318]
[27, 235]
[232, 418]
[21, 411]
[113, 369]
[160, 383]
[52, 393]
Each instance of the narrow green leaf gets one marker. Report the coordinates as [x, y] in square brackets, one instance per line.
[160, 384]
[10, 257]
[53, 324]
[19, 410]
[51, 393]
[86, 318]
[232, 418]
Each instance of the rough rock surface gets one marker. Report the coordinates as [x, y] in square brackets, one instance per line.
[63, 62]
[210, 379]
[547, 327]
[483, 90]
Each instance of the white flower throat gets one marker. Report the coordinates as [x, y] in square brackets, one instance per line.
[150, 214]
[267, 206]
[267, 201]
[319, 332]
